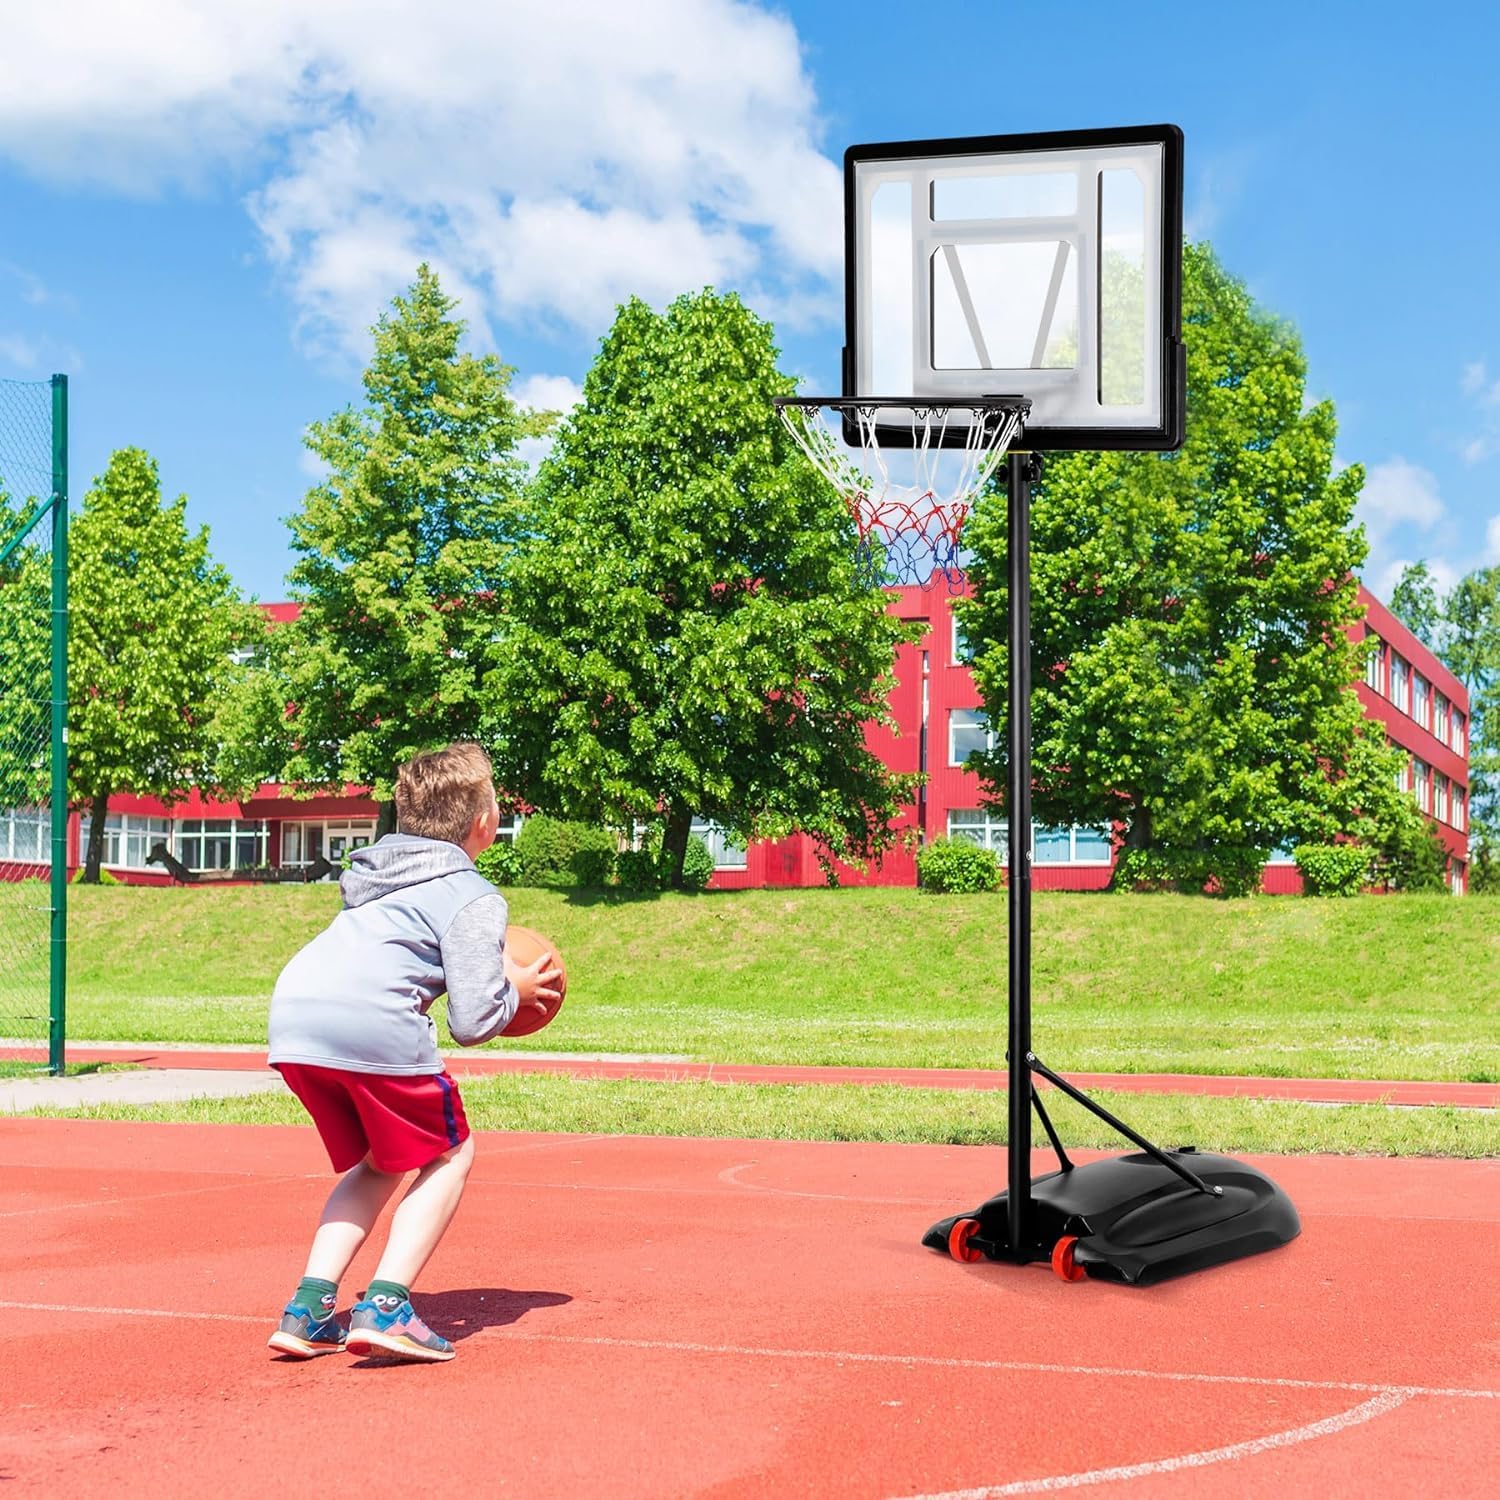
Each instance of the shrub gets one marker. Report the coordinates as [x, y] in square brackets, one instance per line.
[595, 867]
[547, 847]
[636, 870]
[1224, 869]
[957, 867]
[1235, 869]
[697, 864]
[641, 869]
[1333, 869]
[1145, 870]
[105, 878]
[500, 864]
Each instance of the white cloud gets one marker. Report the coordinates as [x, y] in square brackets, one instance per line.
[550, 157]
[1483, 392]
[19, 352]
[1398, 494]
[547, 393]
[1403, 516]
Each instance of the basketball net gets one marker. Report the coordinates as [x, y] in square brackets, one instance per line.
[908, 529]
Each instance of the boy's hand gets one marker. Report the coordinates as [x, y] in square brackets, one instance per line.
[536, 983]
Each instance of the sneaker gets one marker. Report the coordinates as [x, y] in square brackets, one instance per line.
[381, 1325]
[302, 1335]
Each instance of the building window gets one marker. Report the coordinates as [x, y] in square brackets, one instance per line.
[963, 652]
[727, 852]
[1440, 718]
[968, 734]
[1456, 740]
[1070, 846]
[1400, 683]
[1460, 809]
[510, 826]
[303, 843]
[1440, 798]
[1422, 777]
[1375, 665]
[1421, 700]
[1456, 875]
[221, 843]
[981, 827]
[26, 835]
[129, 839]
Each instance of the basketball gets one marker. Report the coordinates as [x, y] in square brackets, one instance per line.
[525, 947]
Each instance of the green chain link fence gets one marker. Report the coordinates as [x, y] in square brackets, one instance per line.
[33, 713]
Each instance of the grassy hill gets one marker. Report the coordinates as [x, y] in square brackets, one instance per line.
[1376, 987]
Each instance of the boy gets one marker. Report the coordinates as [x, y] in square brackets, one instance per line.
[351, 1036]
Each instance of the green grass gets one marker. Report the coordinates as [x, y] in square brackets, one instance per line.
[1375, 987]
[855, 1113]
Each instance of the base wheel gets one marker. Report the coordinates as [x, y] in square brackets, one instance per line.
[1062, 1259]
[958, 1240]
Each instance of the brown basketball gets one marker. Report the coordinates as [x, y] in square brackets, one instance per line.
[525, 947]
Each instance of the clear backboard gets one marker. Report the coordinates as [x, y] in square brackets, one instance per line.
[1044, 266]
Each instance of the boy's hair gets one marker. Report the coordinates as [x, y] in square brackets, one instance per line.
[439, 793]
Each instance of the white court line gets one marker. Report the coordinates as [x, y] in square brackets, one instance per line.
[841, 1356]
[730, 1176]
[1376, 1406]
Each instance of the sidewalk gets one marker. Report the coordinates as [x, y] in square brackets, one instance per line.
[173, 1071]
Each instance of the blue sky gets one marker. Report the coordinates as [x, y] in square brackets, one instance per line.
[203, 206]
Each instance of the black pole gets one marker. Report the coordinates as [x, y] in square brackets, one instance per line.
[1018, 804]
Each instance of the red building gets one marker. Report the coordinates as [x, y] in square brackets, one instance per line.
[1424, 708]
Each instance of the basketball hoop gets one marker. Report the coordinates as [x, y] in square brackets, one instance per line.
[908, 531]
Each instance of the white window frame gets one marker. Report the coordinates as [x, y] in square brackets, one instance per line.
[1072, 831]
[981, 719]
[1440, 797]
[127, 835]
[1421, 700]
[1460, 725]
[727, 854]
[188, 841]
[960, 645]
[1421, 774]
[38, 822]
[1440, 708]
[983, 827]
[351, 828]
[1375, 666]
[1401, 683]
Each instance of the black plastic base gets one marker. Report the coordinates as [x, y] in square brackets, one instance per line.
[1136, 1221]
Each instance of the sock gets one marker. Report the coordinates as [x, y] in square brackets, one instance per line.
[317, 1296]
[392, 1292]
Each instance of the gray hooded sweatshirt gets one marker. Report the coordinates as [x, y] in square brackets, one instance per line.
[418, 919]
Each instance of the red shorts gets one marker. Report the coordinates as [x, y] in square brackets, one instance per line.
[399, 1122]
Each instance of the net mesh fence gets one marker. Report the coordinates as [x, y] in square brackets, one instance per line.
[26, 481]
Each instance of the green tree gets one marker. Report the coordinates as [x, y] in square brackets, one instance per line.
[402, 549]
[1193, 676]
[1414, 602]
[1470, 631]
[153, 620]
[25, 667]
[684, 632]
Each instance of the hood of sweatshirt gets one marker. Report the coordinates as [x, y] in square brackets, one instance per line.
[395, 862]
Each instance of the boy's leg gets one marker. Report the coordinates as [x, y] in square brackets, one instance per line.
[308, 1326]
[384, 1321]
[425, 1211]
[348, 1217]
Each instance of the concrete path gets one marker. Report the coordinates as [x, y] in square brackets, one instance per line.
[158, 1071]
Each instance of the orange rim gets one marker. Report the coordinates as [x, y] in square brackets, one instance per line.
[958, 1240]
[1063, 1262]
